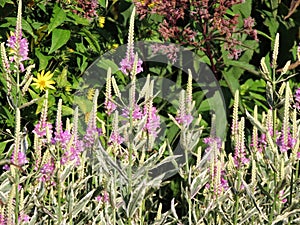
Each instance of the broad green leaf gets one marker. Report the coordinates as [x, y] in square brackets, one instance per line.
[43, 60]
[3, 2]
[243, 9]
[103, 3]
[2, 146]
[59, 38]
[61, 80]
[66, 110]
[126, 14]
[58, 17]
[231, 80]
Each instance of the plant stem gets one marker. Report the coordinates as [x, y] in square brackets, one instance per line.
[236, 208]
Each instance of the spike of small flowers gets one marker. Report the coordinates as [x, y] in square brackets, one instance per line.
[275, 51]
[127, 63]
[5, 62]
[58, 125]
[10, 206]
[42, 126]
[285, 123]
[240, 158]
[18, 45]
[108, 104]
[92, 131]
[183, 115]
[115, 137]
[189, 91]
[254, 143]
[234, 127]
[286, 67]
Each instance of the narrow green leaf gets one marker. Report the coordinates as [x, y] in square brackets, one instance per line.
[59, 38]
[91, 39]
[81, 204]
[136, 199]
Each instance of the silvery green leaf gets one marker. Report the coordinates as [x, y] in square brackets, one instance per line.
[70, 200]
[104, 157]
[173, 209]
[66, 172]
[284, 217]
[82, 203]
[34, 217]
[136, 198]
[198, 182]
[255, 122]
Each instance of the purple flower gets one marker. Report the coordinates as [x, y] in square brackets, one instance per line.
[136, 114]
[285, 147]
[210, 141]
[21, 160]
[47, 170]
[184, 119]
[87, 8]
[2, 220]
[127, 65]
[109, 106]
[169, 50]
[153, 121]
[23, 218]
[40, 129]
[18, 49]
[91, 134]
[297, 99]
[115, 138]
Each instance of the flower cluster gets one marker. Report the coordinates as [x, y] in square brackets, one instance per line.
[218, 183]
[18, 48]
[126, 65]
[169, 50]
[210, 23]
[297, 99]
[88, 9]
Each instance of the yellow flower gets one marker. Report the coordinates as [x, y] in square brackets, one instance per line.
[43, 81]
[115, 46]
[101, 21]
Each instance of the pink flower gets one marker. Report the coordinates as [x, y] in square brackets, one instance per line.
[127, 65]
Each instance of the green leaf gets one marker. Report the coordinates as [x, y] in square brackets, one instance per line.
[43, 60]
[59, 38]
[81, 204]
[3, 2]
[243, 9]
[136, 199]
[2, 146]
[91, 39]
[61, 79]
[67, 111]
[74, 18]
[58, 17]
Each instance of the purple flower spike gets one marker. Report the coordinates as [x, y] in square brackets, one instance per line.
[127, 65]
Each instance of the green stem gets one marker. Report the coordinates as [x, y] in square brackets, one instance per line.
[274, 201]
[59, 198]
[237, 198]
